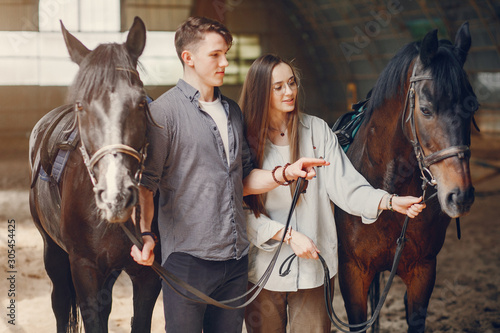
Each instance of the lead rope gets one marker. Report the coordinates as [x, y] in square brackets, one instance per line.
[397, 256]
[170, 279]
[328, 289]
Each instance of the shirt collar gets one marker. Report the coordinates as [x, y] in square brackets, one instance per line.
[192, 93]
[304, 121]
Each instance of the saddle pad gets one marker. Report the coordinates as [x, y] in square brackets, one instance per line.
[59, 162]
[346, 127]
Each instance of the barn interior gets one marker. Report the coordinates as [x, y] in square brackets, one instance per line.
[339, 46]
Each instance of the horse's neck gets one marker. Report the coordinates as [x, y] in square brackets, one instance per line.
[386, 158]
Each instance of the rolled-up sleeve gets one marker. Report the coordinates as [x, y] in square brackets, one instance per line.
[246, 159]
[158, 139]
[246, 155]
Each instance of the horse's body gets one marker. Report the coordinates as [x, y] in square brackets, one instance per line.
[84, 251]
[383, 153]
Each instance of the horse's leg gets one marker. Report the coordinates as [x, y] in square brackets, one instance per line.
[106, 294]
[93, 288]
[63, 293]
[374, 298]
[56, 262]
[419, 283]
[146, 286]
[354, 284]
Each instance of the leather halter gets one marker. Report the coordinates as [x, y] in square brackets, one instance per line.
[91, 161]
[113, 149]
[424, 162]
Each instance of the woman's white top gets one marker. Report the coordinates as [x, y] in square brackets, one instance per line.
[313, 216]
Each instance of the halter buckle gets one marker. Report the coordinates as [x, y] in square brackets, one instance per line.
[432, 180]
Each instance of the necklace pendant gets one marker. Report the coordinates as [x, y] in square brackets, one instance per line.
[282, 134]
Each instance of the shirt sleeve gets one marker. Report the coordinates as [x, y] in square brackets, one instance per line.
[246, 159]
[246, 155]
[158, 139]
[260, 231]
[346, 187]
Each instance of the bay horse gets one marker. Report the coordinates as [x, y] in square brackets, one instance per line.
[79, 215]
[417, 126]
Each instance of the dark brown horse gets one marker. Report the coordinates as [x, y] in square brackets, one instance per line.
[79, 216]
[418, 123]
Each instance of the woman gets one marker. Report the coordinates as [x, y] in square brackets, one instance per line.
[278, 133]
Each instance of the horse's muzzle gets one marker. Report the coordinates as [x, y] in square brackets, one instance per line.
[458, 202]
[117, 207]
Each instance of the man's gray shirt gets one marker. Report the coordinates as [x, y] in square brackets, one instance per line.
[200, 208]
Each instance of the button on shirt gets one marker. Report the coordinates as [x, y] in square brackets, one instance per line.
[201, 194]
[339, 183]
[218, 114]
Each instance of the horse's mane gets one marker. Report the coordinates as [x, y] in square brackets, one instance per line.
[450, 80]
[100, 71]
[392, 80]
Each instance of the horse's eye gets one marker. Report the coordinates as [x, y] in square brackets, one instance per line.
[471, 104]
[142, 104]
[425, 111]
[79, 106]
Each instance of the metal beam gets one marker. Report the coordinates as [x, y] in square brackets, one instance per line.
[485, 24]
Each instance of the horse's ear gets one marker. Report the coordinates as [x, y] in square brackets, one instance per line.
[462, 42]
[77, 51]
[429, 47]
[136, 39]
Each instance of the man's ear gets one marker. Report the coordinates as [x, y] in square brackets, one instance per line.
[187, 58]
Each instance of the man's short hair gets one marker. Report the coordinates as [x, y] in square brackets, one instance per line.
[193, 30]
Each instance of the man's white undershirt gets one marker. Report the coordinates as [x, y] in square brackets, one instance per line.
[216, 111]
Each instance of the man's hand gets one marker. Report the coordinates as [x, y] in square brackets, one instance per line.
[145, 257]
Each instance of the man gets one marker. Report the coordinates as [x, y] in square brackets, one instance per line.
[198, 161]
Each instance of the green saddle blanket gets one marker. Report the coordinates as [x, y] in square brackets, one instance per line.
[346, 127]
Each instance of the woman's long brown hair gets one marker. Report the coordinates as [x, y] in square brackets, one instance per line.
[254, 103]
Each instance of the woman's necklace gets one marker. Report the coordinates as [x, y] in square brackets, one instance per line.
[282, 133]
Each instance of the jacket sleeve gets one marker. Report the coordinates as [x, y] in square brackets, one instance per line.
[346, 187]
[261, 230]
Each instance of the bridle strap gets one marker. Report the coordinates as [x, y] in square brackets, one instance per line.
[424, 162]
[131, 70]
[420, 77]
[90, 162]
[114, 149]
[459, 151]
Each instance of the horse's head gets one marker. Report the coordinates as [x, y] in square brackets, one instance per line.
[111, 113]
[444, 104]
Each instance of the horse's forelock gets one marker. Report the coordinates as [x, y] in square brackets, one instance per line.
[99, 72]
[450, 80]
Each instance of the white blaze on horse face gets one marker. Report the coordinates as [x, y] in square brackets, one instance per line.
[113, 135]
[115, 185]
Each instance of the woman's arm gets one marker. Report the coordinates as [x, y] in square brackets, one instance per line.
[262, 181]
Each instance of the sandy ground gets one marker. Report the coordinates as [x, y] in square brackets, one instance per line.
[466, 297]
